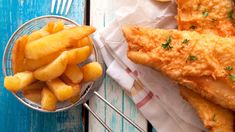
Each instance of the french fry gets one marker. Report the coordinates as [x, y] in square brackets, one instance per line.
[91, 71]
[35, 64]
[33, 95]
[52, 70]
[59, 26]
[49, 100]
[34, 86]
[49, 27]
[78, 55]
[76, 95]
[37, 35]
[65, 79]
[53, 27]
[56, 42]
[74, 99]
[18, 81]
[73, 73]
[61, 90]
[18, 54]
[85, 42]
[77, 89]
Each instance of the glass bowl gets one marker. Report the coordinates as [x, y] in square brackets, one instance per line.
[36, 24]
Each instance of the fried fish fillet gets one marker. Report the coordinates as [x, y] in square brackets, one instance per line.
[213, 116]
[193, 17]
[207, 16]
[201, 62]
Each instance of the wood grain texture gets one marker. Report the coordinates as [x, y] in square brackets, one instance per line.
[14, 116]
[102, 12]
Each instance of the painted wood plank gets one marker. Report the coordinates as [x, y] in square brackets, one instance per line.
[96, 20]
[102, 12]
[132, 112]
[15, 117]
[114, 94]
[99, 108]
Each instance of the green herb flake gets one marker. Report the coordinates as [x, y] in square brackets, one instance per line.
[232, 77]
[228, 68]
[192, 58]
[214, 117]
[185, 41]
[230, 14]
[205, 13]
[193, 27]
[167, 45]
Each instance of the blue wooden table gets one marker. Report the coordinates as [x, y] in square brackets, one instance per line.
[15, 117]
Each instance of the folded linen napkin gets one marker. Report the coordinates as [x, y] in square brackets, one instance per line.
[155, 95]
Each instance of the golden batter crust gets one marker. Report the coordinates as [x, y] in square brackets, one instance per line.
[213, 116]
[207, 16]
[198, 64]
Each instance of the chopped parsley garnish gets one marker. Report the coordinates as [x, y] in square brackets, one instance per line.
[185, 41]
[214, 117]
[232, 77]
[205, 13]
[230, 14]
[193, 27]
[167, 45]
[228, 68]
[192, 58]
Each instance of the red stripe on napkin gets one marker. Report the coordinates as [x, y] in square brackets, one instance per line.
[135, 73]
[145, 100]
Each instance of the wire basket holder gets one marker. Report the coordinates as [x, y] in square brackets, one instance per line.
[90, 88]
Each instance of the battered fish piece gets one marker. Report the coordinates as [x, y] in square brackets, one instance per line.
[221, 24]
[201, 62]
[213, 116]
[207, 16]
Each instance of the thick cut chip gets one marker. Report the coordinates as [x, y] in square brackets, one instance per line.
[18, 81]
[56, 42]
[61, 90]
[53, 27]
[214, 117]
[197, 61]
[78, 55]
[49, 100]
[85, 42]
[59, 26]
[74, 73]
[74, 99]
[37, 35]
[35, 85]
[35, 64]
[91, 71]
[52, 70]
[33, 95]
[18, 54]
[49, 27]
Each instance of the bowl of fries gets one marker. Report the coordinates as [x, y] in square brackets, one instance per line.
[51, 64]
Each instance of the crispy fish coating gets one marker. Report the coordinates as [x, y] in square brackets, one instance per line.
[213, 116]
[197, 61]
[206, 16]
[217, 20]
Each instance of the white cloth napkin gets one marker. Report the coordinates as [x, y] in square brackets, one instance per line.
[159, 100]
